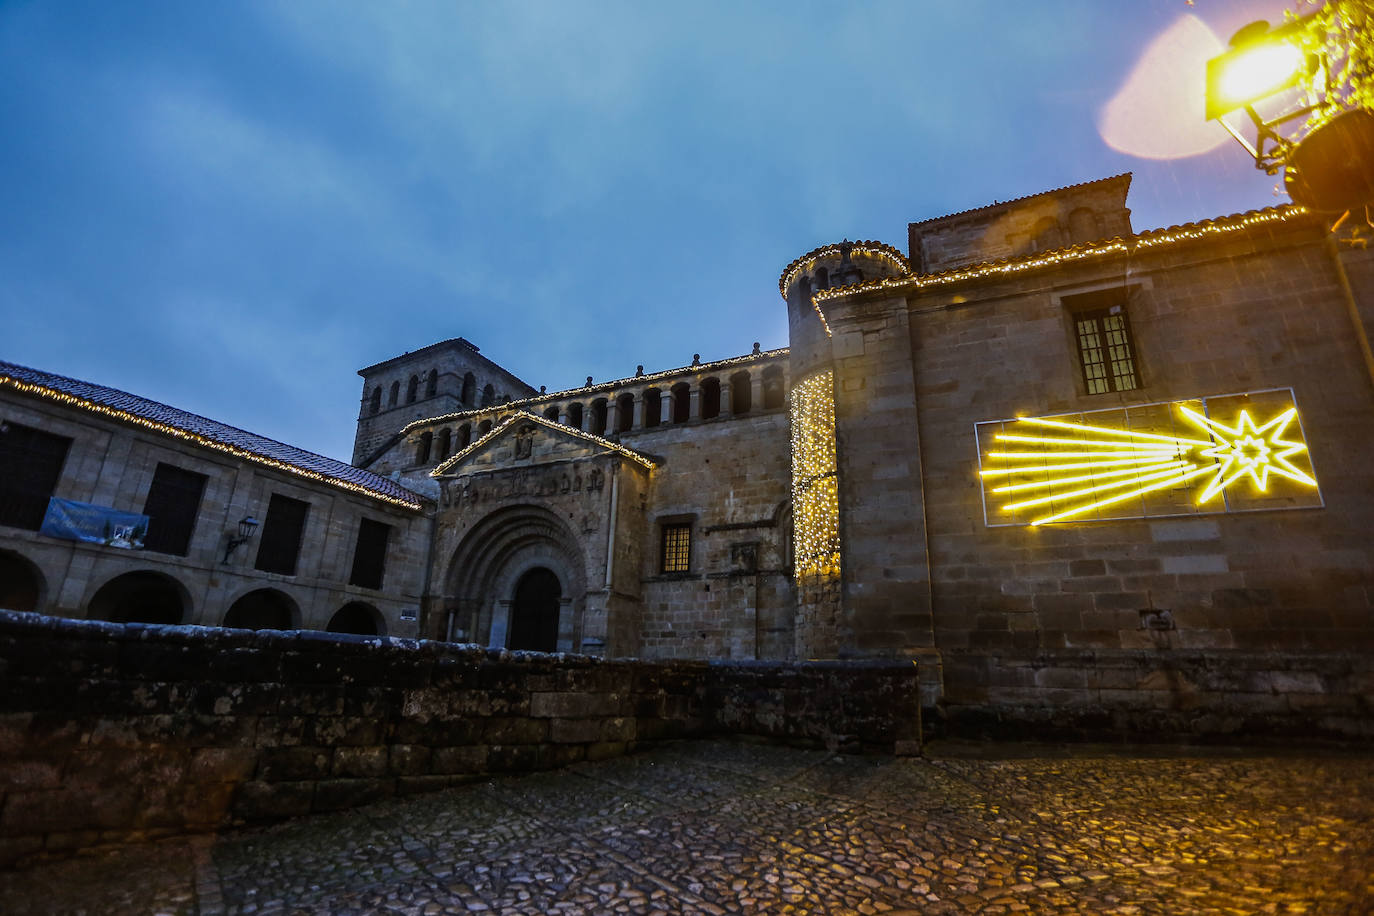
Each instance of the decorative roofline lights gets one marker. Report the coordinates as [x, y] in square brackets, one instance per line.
[815, 489]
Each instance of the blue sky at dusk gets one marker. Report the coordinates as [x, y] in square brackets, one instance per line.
[232, 207]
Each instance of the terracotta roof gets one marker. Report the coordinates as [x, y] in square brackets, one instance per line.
[1017, 200]
[130, 408]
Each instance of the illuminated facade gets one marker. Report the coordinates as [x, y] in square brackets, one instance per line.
[1071, 470]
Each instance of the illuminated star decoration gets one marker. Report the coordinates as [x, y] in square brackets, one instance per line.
[1079, 468]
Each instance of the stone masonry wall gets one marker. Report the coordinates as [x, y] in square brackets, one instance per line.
[113, 732]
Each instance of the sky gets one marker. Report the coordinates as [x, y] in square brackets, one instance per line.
[232, 207]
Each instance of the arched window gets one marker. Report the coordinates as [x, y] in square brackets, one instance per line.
[445, 443]
[682, 402]
[653, 407]
[773, 394]
[483, 428]
[822, 278]
[575, 416]
[375, 404]
[395, 394]
[488, 395]
[464, 436]
[597, 426]
[422, 451]
[469, 389]
[432, 383]
[624, 413]
[741, 393]
[551, 413]
[413, 389]
[710, 398]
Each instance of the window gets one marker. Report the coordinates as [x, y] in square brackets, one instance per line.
[412, 389]
[597, 425]
[395, 394]
[682, 402]
[464, 435]
[624, 413]
[1106, 351]
[677, 548]
[445, 443]
[488, 395]
[30, 464]
[710, 398]
[423, 449]
[280, 544]
[375, 405]
[172, 505]
[369, 556]
[551, 413]
[653, 407]
[432, 383]
[469, 389]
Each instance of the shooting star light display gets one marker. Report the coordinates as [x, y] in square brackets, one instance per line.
[1077, 468]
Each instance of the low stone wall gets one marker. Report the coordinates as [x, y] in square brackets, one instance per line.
[1174, 695]
[111, 732]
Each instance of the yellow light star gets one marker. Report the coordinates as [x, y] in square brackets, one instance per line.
[1247, 450]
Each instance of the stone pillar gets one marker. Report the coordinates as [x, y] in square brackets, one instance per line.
[500, 624]
[665, 409]
[637, 421]
[563, 414]
[756, 390]
[725, 404]
[612, 416]
[694, 402]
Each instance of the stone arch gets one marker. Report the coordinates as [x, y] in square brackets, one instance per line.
[535, 606]
[624, 413]
[22, 587]
[551, 413]
[488, 395]
[374, 405]
[445, 443]
[575, 415]
[483, 428]
[653, 407]
[412, 389]
[395, 394]
[597, 424]
[774, 395]
[432, 383]
[423, 448]
[490, 562]
[140, 596]
[710, 398]
[263, 609]
[741, 393]
[358, 618]
[469, 389]
[682, 402]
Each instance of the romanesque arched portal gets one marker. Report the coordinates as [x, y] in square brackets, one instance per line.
[518, 580]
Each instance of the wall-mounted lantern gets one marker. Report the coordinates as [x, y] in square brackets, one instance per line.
[247, 525]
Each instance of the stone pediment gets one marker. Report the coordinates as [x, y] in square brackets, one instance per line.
[525, 439]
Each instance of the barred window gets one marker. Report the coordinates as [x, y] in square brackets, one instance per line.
[1106, 351]
[677, 548]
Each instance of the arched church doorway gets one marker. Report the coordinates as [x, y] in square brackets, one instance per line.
[534, 611]
[138, 597]
[262, 609]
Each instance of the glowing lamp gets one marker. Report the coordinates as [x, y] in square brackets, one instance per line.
[1259, 64]
[247, 526]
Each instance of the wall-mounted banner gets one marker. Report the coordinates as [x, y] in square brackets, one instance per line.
[94, 524]
[1228, 453]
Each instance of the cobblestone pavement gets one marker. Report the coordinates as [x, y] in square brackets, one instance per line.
[723, 827]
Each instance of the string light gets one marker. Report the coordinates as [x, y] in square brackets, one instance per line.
[124, 416]
[878, 251]
[1123, 464]
[815, 490]
[567, 430]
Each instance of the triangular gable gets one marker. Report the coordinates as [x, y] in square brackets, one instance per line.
[507, 426]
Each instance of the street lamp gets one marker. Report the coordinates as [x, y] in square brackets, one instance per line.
[247, 525]
[1328, 167]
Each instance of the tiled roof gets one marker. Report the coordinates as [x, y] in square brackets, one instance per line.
[1017, 200]
[131, 408]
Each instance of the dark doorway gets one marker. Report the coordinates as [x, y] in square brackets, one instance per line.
[263, 609]
[534, 614]
[20, 586]
[357, 618]
[138, 597]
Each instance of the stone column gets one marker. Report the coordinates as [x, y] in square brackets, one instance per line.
[725, 404]
[665, 409]
[612, 416]
[756, 390]
[637, 421]
[694, 402]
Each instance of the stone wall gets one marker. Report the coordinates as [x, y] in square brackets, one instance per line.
[114, 732]
[1124, 695]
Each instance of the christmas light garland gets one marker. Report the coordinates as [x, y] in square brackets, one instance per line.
[527, 415]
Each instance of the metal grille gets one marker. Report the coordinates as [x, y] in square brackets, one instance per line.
[677, 548]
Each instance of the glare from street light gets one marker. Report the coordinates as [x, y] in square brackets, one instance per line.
[1256, 72]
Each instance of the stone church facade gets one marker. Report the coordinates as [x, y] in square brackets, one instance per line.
[1083, 476]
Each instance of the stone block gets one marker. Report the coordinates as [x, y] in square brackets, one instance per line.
[337, 794]
[454, 760]
[360, 761]
[408, 760]
[286, 764]
[512, 730]
[222, 764]
[1195, 564]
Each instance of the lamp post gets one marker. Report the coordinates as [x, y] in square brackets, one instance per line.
[247, 525]
[1324, 142]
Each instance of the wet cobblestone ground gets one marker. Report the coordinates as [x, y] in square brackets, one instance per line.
[722, 827]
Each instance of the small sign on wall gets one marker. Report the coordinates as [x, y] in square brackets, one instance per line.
[410, 613]
[1228, 453]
